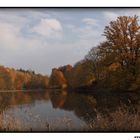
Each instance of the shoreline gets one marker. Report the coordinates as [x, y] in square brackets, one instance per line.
[22, 90]
[81, 90]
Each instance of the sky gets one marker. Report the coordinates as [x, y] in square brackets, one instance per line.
[41, 39]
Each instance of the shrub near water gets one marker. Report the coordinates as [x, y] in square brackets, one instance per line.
[120, 120]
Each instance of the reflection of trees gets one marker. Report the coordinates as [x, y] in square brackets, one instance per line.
[83, 106]
[111, 102]
[4, 102]
[86, 107]
[58, 98]
[20, 98]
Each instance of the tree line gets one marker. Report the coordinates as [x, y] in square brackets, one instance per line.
[11, 79]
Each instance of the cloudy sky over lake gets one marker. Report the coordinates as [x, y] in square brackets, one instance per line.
[40, 39]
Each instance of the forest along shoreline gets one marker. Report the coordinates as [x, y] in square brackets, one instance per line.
[112, 66]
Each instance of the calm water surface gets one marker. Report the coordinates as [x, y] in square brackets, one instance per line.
[55, 110]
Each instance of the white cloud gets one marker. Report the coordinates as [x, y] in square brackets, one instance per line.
[8, 35]
[70, 26]
[11, 37]
[50, 28]
[90, 21]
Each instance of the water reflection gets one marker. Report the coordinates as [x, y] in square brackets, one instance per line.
[39, 108]
[84, 107]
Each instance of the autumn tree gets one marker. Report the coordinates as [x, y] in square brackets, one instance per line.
[115, 62]
[97, 59]
[57, 79]
[123, 41]
[81, 75]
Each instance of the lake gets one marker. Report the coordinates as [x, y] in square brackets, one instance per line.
[59, 110]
